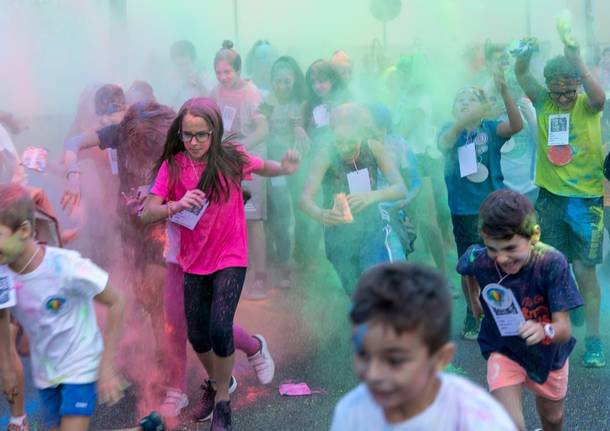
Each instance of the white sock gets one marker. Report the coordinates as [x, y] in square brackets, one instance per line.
[17, 420]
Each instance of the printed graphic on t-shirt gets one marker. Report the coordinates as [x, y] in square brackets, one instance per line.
[56, 305]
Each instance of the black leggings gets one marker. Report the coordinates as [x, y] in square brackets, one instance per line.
[210, 302]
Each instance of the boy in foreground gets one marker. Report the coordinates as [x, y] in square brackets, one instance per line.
[402, 317]
[52, 291]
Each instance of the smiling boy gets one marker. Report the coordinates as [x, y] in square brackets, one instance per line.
[402, 324]
[514, 263]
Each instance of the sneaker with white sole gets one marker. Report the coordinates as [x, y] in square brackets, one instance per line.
[175, 401]
[23, 427]
[262, 362]
[203, 410]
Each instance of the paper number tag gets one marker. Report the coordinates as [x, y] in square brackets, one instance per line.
[8, 297]
[504, 308]
[359, 181]
[228, 116]
[559, 129]
[321, 116]
[114, 163]
[467, 157]
[189, 218]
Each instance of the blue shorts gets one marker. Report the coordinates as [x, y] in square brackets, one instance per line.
[67, 400]
[574, 226]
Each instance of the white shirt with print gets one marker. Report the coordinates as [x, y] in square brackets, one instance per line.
[459, 406]
[55, 307]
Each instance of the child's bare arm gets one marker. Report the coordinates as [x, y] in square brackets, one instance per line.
[474, 290]
[526, 80]
[534, 332]
[595, 92]
[8, 376]
[109, 384]
[155, 210]
[514, 123]
[561, 326]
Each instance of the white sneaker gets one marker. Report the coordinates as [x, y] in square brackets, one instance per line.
[232, 385]
[262, 362]
[173, 404]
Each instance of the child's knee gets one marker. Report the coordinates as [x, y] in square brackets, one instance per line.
[200, 341]
[222, 339]
[553, 416]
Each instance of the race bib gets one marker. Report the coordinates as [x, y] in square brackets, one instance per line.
[113, 160]
[467, 157]
[228, 116]
[359, 181]
[189, 218]
[8, 298]
[559, 129]
[321, 116]
[504, 308]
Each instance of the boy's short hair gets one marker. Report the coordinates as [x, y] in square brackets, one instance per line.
[183, 48]
[506, 213]
[559, 68]
[405, 297]
[109, 98]
[16, 206]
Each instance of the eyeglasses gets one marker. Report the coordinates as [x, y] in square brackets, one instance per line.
[567, 94]
[201, 137]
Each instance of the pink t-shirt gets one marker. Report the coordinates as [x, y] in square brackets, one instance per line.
[219, 239]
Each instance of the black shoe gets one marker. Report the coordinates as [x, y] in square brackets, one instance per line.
[152, 422]
[204, 408]
[221, 420]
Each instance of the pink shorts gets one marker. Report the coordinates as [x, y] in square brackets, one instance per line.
[503, 372]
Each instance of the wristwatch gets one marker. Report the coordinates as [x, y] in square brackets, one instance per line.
[549, 331]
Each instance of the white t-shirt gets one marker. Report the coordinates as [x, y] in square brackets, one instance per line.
[459, 406]
[55, 308]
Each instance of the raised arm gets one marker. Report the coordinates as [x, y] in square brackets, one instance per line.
[595, 93]
[514, 123]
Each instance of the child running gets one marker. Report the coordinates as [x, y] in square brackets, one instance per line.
[52, 292]
[472, 165]
[402, 324]
[527, 292]
[569, 174]
[199, 180]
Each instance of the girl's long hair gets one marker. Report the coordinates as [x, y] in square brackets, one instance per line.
[225, 161]
[323, 70]
[299, 89]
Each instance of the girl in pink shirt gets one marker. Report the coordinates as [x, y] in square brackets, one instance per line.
[199, 178]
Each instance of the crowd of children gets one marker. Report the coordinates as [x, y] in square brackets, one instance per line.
[355, 177]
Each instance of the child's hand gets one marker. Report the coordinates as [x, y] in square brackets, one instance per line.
[500, 80]
[572, 54]
[477, 309]
[532, 332]
[332, 218]
[9, 384]
[109, 386]
[290, 162]
[192, 199]
[133, 203]
[358, 202]
[71, 197]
